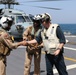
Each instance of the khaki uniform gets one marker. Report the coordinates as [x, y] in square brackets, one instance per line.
[6, 47]
[31, 51]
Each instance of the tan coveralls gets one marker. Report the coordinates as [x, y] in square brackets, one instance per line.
[30, 34]
[6, 47]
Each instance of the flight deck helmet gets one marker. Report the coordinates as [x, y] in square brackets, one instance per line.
[6, 22]
[37, 19]
[45, 17]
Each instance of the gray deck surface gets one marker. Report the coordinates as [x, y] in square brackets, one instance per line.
[15, 62]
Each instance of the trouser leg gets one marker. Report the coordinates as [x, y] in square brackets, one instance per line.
[2, 68]
[28, 60]
[49, 64]
[37, 58]
[60, 65]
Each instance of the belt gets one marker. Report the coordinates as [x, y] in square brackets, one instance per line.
[46, 52]
[1, 56]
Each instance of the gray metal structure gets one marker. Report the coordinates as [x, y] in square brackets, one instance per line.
[21, 19]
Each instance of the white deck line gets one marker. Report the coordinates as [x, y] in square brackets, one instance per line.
[70, 48]
[69, 67]
[70, 35]
[64, 47]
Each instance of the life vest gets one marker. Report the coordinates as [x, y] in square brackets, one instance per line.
[50, 40]
[4, 49]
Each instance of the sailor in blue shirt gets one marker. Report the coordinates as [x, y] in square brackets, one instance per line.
[53, 42]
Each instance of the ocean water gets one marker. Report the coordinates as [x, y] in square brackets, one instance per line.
[68, 28]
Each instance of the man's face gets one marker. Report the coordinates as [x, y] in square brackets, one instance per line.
[9, 26]
[44, 24]
[36, 23]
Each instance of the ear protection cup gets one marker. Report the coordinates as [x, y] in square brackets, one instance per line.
[5, 21]
[5, 25]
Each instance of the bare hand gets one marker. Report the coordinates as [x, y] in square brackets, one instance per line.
[39, 47]
[24, 43]
[56, 52]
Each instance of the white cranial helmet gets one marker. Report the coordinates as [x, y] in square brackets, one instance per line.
[45, 16]
[37, 17]
[4, 21]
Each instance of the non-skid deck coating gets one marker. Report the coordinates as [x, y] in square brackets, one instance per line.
[15, 62]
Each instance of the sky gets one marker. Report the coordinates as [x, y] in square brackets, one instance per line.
[67, 14]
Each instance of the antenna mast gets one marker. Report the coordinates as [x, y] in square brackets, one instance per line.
[8, 3]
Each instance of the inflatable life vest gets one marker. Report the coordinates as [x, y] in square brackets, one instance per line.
[50, 40]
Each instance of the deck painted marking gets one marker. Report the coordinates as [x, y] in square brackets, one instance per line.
[70, 48]
[69, 67]
[64, 47]
[67, 58]
[70, 36]
[71, 59]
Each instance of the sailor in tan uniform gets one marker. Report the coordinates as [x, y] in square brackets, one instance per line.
[6, 43]
[53, 40]
[34, 49]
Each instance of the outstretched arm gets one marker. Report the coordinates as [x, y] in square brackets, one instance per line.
[25, 43]
[5, 39]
